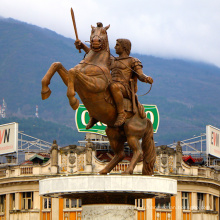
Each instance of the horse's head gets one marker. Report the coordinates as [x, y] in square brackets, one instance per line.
[99, 37]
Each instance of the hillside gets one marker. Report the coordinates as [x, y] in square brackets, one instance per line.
[45, 130]
[186, 92]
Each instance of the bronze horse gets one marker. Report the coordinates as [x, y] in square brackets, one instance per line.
[91, 79]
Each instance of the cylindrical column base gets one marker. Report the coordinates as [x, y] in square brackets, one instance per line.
[108, 212]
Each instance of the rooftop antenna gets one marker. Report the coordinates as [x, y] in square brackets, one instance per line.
[3, 109]
[36, 113]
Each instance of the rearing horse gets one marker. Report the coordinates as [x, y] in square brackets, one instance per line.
[91, 79]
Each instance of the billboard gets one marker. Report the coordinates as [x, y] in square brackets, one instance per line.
[8, 138]
[212, 141]
[82, 119]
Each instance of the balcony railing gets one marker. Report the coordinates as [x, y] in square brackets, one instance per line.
[121, 167]
[26, 170]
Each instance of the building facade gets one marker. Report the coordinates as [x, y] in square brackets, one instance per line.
[197, 197]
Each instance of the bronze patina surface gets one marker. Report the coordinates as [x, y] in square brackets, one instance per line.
[107, 87]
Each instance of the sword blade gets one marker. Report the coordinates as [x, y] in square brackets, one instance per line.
[74, 25]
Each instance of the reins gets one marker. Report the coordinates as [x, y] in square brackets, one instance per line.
[147, 91]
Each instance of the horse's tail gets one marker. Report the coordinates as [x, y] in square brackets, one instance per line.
[148, 147]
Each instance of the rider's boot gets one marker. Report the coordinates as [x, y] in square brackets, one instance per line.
[119, 102]
[91, 123]
[120, 119]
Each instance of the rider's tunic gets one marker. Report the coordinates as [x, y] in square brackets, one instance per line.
[124, 69]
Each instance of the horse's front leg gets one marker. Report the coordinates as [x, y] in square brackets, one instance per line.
[117, 145]
[73, 101]
[55, 67]
[134, 144]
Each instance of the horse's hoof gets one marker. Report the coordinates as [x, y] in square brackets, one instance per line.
[45, 95]
[127, 173]
[103, 172]
[74, 103]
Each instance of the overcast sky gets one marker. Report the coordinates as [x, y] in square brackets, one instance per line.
[188, 29]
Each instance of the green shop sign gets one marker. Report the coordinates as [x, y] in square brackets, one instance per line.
[82, 119]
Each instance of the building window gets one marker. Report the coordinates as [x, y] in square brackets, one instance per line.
[200, 201]
[12, 201]
[210, 202]
[162, 203]
[79, 203]
[47, 203]
[140, 203]
[27, 200]
[215, 202]
[2, 203]
[185, 201]
[67, 205]
[73, 203]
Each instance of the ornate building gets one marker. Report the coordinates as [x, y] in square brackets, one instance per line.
[197, 197]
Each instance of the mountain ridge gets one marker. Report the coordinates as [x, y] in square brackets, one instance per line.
[186, 92]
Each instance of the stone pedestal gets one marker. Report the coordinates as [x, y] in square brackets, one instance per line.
[108, 196]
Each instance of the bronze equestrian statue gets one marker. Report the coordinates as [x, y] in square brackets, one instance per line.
[96, 87]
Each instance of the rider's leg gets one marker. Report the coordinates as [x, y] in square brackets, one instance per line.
[118, 98]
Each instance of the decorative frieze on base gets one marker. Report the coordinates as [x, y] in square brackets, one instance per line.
[108, 211]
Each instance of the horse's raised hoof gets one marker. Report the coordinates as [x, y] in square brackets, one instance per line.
[45, 95]
[74, 103]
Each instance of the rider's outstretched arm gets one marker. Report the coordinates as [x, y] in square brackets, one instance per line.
[142, 77]
[80, 45]
[137, 67]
